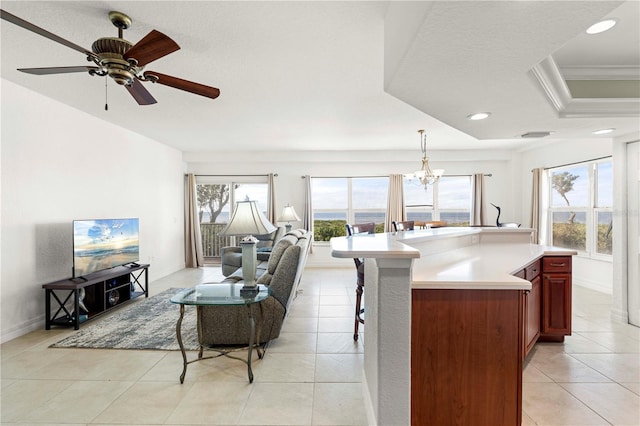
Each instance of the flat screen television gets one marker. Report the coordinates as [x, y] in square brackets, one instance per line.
[104, 243]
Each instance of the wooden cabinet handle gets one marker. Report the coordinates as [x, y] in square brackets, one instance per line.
[558, 264]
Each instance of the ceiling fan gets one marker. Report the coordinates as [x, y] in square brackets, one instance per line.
[121, 60]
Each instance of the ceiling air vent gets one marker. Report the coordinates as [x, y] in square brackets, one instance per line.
[535, 134]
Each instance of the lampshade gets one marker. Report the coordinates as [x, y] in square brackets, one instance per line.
[288, 214]
[247, 219]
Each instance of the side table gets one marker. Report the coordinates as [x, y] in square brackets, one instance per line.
[220, 294]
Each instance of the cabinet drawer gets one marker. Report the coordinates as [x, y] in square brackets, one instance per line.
[556, 264]
[533, 270]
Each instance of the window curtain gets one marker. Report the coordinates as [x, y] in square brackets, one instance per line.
[478, 203]
[272, 210]
[536, 203]
[395, 202]
[193, 240]
[307, 219]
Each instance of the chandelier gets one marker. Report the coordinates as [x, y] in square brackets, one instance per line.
[425, 175]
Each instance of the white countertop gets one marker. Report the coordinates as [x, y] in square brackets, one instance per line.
[452, 258]
[480, 266]
[391, 245]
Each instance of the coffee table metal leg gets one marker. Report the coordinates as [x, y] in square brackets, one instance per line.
[252, 325]
[179, 337]
[259, 333]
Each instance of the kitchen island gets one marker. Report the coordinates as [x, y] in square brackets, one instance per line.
[450, 314]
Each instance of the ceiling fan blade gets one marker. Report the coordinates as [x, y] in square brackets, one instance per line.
[153, 46]
[56, 70]
[140, 93]
[188, 86]
[29, 26]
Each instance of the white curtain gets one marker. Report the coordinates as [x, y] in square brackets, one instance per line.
[307, 219]
[536, 203]
[395, 202]
[193, 240]
[272, 210]
[478, 203]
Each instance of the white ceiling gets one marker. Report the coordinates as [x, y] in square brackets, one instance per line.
[334, 75]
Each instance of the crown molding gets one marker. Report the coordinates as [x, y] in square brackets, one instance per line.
[600, 72]
[552, 81]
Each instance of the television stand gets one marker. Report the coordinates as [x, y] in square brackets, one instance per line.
[100, 292]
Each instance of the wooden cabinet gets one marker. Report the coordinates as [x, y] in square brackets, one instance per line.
[547, 306]
[466, 361]
[468, 346]
[556, 298]
[532, 300]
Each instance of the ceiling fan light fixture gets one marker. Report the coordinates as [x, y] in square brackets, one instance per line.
[603, 131]
[479, 116]
[602, 26]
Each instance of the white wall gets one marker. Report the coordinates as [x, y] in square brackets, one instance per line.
[59, 164]
[625, 287]
[595, 274]
[291, 166]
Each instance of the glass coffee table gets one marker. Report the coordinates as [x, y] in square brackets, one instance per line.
[221, 294]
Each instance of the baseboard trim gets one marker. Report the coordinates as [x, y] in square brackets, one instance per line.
[22, 329]
[620, 315]
[592, 285]
[368, 404]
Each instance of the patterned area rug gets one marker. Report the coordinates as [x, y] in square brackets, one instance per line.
[145, 324]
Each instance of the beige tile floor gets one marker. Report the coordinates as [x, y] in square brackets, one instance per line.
[311, 375]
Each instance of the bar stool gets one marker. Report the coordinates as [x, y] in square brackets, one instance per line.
[352, 230]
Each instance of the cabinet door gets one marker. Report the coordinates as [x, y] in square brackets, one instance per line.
[533, 300]
[556, 306]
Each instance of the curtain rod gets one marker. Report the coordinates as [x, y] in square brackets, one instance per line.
[275, 174]
[574, 163]
[337, 177]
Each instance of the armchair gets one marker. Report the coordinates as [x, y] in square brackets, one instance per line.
[227, 325]
[231, 256]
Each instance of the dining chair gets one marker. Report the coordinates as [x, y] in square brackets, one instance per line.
[407, 225]
[354, 230]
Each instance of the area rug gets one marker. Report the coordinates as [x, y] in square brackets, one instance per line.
[145, 324]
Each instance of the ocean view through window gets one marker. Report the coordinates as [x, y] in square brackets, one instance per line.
[341, 200]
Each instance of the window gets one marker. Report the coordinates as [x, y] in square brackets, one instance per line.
[338, 201]
[216, 198]
[449, 199]
[580, 207]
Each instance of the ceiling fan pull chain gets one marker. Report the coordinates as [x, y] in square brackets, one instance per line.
[106, 105]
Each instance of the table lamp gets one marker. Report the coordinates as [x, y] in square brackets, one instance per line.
[288, 215]
[247, 219]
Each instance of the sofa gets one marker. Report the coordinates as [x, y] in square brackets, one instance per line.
[231, 256]
[228, 325]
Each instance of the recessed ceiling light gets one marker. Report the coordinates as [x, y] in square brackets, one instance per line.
[479, 116]
[602, 26]
[603, 131]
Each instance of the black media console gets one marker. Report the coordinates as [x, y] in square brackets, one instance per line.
[93, 295]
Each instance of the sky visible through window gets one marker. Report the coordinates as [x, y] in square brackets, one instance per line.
[331, 193]
[579, 194]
